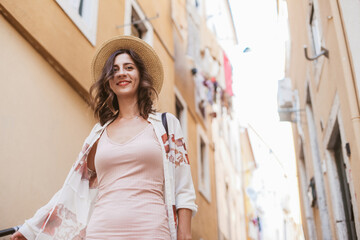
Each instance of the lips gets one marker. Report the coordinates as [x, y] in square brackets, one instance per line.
[122, 83]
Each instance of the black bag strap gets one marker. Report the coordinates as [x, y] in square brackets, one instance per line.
[164, 122]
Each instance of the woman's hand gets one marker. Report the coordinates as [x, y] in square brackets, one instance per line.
[17, 236]
[184, 227]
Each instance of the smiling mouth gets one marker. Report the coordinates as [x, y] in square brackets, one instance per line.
[122, 83]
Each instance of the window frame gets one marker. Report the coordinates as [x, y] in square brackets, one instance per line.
[335, 126]
[183, 117]
[316, 37]
[88, 31]
[129, 6]
[199, 87]
[204, 185]
[315, 30]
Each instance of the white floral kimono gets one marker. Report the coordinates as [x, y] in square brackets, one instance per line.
[68, 212]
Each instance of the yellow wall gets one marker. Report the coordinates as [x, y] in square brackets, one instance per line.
[56, 33]
[43, 125]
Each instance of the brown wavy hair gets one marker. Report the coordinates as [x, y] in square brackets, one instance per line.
[104, 101]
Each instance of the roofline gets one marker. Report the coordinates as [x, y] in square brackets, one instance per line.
[232, 21]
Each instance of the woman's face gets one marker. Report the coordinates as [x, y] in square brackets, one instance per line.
[125, 82]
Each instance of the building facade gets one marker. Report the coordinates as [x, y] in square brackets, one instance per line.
[252, 218]
[320, 95]
[47, 48]
[230, 195]
[193, 110]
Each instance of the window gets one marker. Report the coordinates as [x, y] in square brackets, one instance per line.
[315, 39]
[200, 95]
[198, 5]
[138, 28]
[338, 165]
[306, 193]
[345, 190]
[317, 166]
[83, 14]
[339, 174]
[203, 163]
[179, 108]
[136, 22]
[315, 31]
[181, 111]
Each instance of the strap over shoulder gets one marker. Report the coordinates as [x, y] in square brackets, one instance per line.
[164, 122]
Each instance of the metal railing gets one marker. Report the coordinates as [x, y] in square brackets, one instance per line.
[9, 231]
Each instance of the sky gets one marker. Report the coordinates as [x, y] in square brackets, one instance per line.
[255, 81]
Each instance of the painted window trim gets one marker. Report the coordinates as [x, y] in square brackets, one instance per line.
[88, 31]
[304, 179]
[336, 199]
[319, 63]
[129, 5]
[194, 13]
[317, 160]
[205, 189]
[183, 120]
[197, 92]
[176, 24]
[199, 9]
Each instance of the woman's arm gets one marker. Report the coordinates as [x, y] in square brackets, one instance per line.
[91, 166]
[184, 227]
[184, 187]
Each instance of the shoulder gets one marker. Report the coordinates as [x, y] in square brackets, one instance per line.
[98, 127]
[171, 117]
[174, 125]
[172, 121]
[95, 130]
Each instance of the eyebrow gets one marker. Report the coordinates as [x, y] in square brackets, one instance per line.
[125, 64]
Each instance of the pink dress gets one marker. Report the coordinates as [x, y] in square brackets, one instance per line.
[130, 202]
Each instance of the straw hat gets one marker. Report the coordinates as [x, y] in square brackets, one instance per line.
[147, 54]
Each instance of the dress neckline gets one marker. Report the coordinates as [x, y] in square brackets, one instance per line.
[127, 141]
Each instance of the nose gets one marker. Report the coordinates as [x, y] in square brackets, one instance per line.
[120, 72]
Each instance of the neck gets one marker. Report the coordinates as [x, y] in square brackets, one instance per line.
[128, 108]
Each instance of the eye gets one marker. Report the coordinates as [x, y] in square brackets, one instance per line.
[129, 67]
[115, 69]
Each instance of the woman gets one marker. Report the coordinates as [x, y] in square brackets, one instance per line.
[132, 179]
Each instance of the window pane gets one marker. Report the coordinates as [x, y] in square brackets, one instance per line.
[314, 24]
[179, 108]
[75, 4]
[202, 160]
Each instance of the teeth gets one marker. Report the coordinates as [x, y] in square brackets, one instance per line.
[122, 82]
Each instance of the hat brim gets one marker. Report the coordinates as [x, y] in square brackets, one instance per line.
[147, 54]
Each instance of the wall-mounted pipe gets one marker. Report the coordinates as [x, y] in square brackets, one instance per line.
[324, 52]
